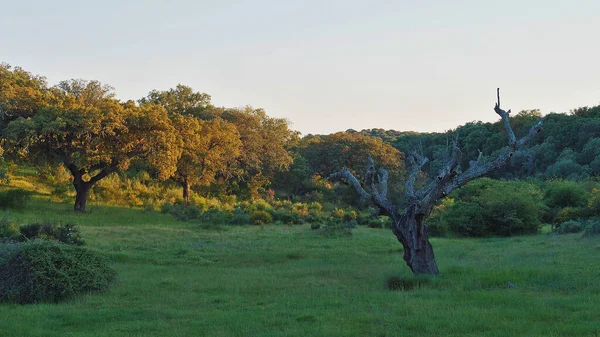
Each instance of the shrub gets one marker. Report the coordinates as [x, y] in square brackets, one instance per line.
[594, 201]
[488, 207]
[568, 213]
[260, 218]
[8, 230]
[44, 270]
[240, 217]
[183, 213]
[15, 199]
[66, 233]
[333, 228]
[349, 216]
[315, 226]
[375, 223]
[167, 207]
[592, 227]
[564, 193]
[569, 227]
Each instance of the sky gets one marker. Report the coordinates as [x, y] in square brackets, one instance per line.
[326, 66]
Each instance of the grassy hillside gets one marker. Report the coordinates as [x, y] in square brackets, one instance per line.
[186, 279]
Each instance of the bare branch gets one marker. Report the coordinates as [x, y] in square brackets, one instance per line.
[346, 175]
[478, 169]
[383, 182]
[415, 163]
[505, 115]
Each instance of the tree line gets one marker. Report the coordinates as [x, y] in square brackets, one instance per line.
[179, 137]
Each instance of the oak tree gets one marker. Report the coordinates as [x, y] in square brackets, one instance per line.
[409, 225]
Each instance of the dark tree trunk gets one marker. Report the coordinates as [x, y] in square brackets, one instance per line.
[411, 231]
[82, 189]
[186, 192]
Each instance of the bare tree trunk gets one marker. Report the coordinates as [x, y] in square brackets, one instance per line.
[409, 227]
[412, 233]
[186, 191]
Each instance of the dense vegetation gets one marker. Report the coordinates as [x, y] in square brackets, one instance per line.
[219, 213]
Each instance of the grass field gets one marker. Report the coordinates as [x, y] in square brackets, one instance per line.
[185, 279]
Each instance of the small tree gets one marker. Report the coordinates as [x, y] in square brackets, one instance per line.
[210, 148]
[93, 135]
[409, 226]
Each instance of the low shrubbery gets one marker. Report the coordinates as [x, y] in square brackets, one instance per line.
[259, 217]
[67, 233]
[15, 199]
[489, 207]
[43, 270]
[568, 227]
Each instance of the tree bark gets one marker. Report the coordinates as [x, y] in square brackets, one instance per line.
[186, 191]
[411, 231]
[82, 189]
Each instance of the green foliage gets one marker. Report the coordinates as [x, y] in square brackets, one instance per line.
[334, 228]
[260, 217]
[569, 227]
[592, 228]
[286, 217]
[564, 193]
[240, 217]
[594, 201]
[8, 230]
[67, 233]
[488, 207]
[43, 270]
[15, 199]
[167, 207]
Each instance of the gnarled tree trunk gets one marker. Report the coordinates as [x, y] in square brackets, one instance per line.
[82, 187]
[409, 227]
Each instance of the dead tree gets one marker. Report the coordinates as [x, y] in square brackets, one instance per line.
[409, 226]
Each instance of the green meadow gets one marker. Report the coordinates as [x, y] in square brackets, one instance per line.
[190, 279]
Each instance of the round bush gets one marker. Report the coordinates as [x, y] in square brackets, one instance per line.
[569, 227]
[260, 218]
[43, 270]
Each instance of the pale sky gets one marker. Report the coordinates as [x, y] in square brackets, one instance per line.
[325, 65]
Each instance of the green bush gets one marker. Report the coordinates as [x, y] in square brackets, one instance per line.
[240, 217]
[183, 213]
[592, 227]
[8, 230]
[335, 228]
[66, 233]
[569, 227]
[488, 207]
[375, 223]
[564, 193]
[287, 217]
[43, 270]
[167, 207]
[260, 218]
[15, 199]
